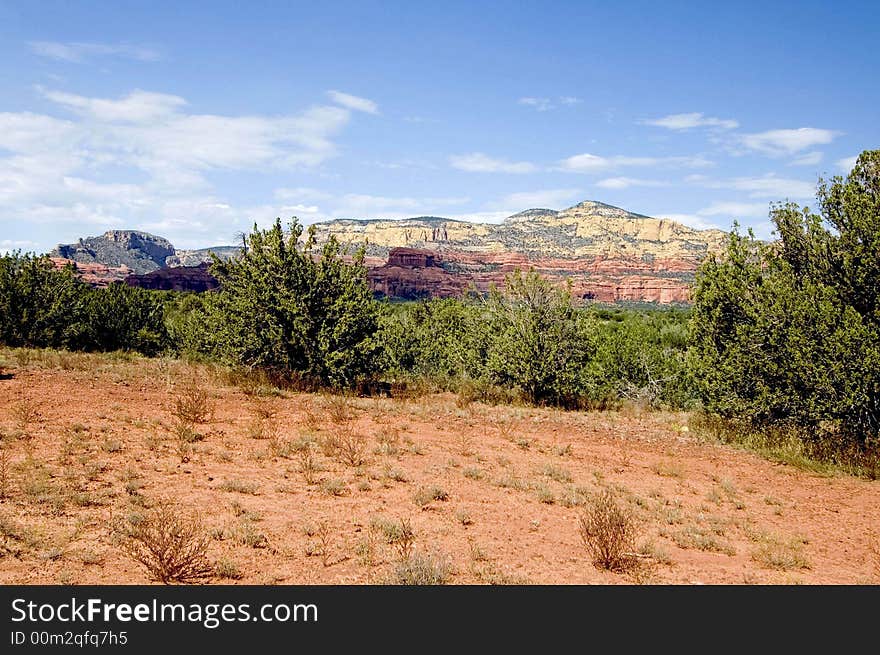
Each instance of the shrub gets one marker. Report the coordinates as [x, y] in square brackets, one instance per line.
[420, 569]
[169, 544]
[284, 311]
[788, 334]
[608, 533]
[193, 404]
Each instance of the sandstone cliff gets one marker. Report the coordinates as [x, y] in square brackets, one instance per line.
[604, 252]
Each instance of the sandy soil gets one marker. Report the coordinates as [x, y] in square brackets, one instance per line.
[98, 447]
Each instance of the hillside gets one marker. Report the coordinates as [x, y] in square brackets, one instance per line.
[608, 253]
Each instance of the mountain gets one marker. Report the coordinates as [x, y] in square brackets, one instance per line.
[605, 252]
[589, 229]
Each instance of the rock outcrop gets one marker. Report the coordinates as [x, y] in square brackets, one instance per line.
[176, 278]
[139, 251]
[605, 253]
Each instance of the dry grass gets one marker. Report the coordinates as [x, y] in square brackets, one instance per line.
[608, 533]
[169, 544]
[192, 403]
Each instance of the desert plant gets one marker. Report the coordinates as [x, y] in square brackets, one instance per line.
[171, 545]
[193, 403]
[4, 470]
[608, 533]
[351, 447]
[308, 466]
[25, 412]
[426, 495]
[399, 535]
[420, 569]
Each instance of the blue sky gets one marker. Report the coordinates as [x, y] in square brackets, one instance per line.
[195, 120]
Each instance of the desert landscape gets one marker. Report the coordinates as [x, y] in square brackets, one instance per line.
[305, 488]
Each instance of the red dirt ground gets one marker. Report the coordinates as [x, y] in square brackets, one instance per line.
[99, 448]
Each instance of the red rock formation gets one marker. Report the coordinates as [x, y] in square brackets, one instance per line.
[176, 278]
[411, 273]
[98, 275]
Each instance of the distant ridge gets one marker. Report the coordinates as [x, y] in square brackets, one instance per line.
[605, 252]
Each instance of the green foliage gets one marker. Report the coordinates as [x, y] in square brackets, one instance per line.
[787, 333]
[538, 342]
[282, 310]
[121, 317]
[530, 338]
[45, 307]
[40, 306]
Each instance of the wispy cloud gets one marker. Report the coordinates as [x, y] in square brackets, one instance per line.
[137, 107]
[477, 162]
[847, 163]
[77, 52]
[735, 209]
[690, 121]
[61, 171]
[627, 182]
[807, 159]
[779, 143]
[589, 163]
[545, 199]
[546, 104]
[768, 186]
[355, 103]
[538, 104]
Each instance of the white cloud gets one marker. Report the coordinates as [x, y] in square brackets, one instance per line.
[77, 52]
[768, 186]
[589, 163]
[807, 159]
[539, 104]
[691, 120]
[137, 107]
[735, 209]
[546, 199]
[355, 103]
[546, 104]
[301, 194]
[477, 162]
[143, 161]
[847, 163]
[778, 143]
[626, 182]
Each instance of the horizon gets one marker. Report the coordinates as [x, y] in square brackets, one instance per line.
[125, 116]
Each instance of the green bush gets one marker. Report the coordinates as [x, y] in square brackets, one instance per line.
[788, 333]
[284, 311]
[40, 306]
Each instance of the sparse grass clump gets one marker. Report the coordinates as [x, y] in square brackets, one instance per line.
[239, 486]
[420, 569]
[780, 554]
[228, 570]
[193, 403]
[429, 494]
[557, 473]
[169, 544]
[608, 533]
[398, 534]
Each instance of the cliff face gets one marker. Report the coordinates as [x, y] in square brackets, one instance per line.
[175, 278]
[139, 251]
[606, 253]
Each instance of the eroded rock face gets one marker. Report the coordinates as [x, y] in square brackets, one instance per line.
[98, 275]
[176, 278]
[604, 252]
[412, 274]
[139, 251]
